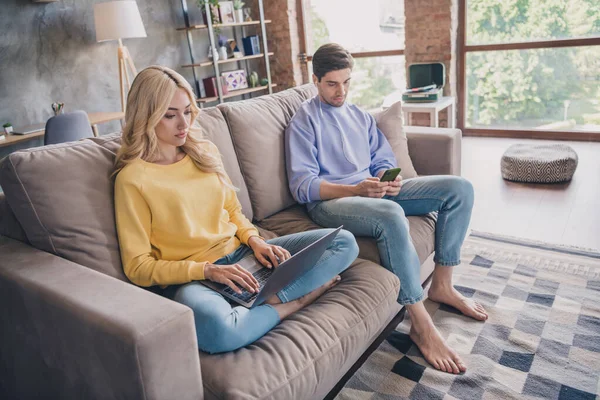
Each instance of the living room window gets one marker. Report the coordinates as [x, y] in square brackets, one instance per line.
[530, 68]
[373, 32]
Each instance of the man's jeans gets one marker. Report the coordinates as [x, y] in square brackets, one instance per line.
[385, 220]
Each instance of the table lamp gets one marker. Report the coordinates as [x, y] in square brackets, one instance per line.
[117, 20]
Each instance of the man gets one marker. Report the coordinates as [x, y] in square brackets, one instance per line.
[335, 157]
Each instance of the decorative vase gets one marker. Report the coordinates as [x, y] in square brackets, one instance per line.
[8, 129]
[223, 53]
[253, 79]
[212, 54]
[238, 15]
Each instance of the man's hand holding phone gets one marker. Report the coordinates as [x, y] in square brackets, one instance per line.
[386, 183]
[371, 187]
[394, 179]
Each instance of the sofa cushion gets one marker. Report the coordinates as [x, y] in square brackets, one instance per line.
[215, 129]
[257, 128]
[389, 121]
[296, 219]
[307, 91]
[305, 355]
[9, 226]
[62, 195]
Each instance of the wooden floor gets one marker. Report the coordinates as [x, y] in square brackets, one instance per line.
[566, 214]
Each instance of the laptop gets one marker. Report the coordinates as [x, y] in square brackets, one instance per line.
[272, 280]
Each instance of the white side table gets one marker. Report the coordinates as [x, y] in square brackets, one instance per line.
[432, 109]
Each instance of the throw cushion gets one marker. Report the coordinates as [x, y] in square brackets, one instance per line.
[62, 196]
[389, 121]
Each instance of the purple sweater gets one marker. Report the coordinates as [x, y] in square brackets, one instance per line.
[334, 144]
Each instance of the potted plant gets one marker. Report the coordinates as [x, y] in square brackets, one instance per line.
[8, 128]
[214, 11]
[238, 12]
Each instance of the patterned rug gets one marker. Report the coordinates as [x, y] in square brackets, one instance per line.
[541, 341]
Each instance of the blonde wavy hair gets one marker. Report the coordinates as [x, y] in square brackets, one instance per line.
[148, 101]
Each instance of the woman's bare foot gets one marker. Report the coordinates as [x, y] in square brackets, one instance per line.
[452, 297]
[285, 309]
[426, 336]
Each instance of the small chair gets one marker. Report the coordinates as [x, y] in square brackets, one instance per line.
[68, 127]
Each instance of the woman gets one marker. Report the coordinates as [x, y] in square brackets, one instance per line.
[179, 220]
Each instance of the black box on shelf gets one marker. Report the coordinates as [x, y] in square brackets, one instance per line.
[251, 45]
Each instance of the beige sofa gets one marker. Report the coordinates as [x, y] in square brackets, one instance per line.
[73, 327]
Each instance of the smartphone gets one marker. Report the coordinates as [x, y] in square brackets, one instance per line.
[390, 174]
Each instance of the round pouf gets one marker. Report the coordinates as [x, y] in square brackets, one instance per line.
[546, 163]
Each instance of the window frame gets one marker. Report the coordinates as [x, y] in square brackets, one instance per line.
[463, 49]
[305, 58]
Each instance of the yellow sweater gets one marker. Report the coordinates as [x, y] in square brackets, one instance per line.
[173, 219]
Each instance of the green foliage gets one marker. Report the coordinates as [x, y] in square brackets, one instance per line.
[214, 11]
[319, 31]
[513, 86]
[370, 83]
[6, 125]
[238, 4]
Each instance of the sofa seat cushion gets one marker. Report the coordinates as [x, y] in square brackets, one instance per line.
[295, 219]
[305, 355]
[62, 195]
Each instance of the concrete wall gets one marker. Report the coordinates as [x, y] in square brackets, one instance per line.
[48, 53]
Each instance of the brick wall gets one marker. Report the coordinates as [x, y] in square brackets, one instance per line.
[283, 40]
[430, 36]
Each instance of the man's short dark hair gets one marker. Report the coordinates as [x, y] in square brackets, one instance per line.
[331, 57]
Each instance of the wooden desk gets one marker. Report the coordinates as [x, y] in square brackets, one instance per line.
[95, 119]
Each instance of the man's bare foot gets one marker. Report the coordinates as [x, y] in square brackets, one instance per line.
[285, 309]
[428, 339]
[452, 297]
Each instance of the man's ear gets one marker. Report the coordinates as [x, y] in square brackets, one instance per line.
[315, 79]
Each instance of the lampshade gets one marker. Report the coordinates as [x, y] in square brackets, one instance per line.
[118, 20]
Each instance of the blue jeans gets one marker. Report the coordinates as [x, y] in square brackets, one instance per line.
[385, 220]
[221, 327]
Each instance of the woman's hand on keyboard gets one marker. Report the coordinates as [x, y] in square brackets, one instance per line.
[230, 275]
[267, 254]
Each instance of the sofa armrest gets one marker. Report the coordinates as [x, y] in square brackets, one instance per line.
[67, 331]
[434, 151]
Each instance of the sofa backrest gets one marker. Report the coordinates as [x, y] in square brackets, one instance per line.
[62, 196]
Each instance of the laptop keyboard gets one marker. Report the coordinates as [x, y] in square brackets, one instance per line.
[262, 275]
